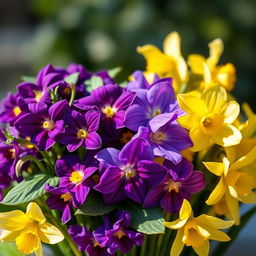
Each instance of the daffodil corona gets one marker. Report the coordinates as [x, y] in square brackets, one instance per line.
[28, 229]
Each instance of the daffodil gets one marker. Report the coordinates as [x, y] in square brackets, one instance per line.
[224, 75]
[196, 231]
[28, 229]
[168, 63]
[209, 118]
[236, 183]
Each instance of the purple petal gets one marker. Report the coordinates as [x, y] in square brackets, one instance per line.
[59, 128]
[66, 215]
[79, 194]
[195, 182]
[73, 146]
[171, 155]
[136, 189]
[38, 108]
[172, 201]
[93, 141]
[124, 101]
[118, 119]
[92, 118]
[58, 110]
[154, 196]
[161, 120]
[42, 140]
[109, 157]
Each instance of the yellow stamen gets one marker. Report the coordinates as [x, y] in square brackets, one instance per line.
[67, 91]
[82, 134]
[211, 123]
[66, 197]
[76, 177]
[156, 112]
[48, 125]
[109, 111]
[16, 111]
[129, 172]
[172, 185]
[157, 137]
[119, 234]
[38, 95]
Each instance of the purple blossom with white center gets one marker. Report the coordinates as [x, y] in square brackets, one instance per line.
[117, 236]
[86, 241]
[82, 131]
[180, 181]
[112, 102]
[76, 177]
[158, 99]
[43, 124]
[60, 199]
[129, 172]
[166, 137]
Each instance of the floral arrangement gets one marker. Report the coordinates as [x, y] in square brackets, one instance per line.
[160, 163]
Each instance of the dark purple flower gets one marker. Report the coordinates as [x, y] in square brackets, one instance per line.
[166, 137]
[43, 124]
[82, 131]
[159, 99]
[86, 241]
[117, 236]
[180, 181]
[76, 177]
[111, 100]
[128, 172]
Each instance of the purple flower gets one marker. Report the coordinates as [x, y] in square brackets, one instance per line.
[82, 131]
[180, 181]
[159, 99]
[116, 236]
[111, 100]
[166, 137]
[129, 172]
[76, 177]
[60, 199]
[41, 124]
[86, 241]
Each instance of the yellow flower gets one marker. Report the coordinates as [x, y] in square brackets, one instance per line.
[224, 75]
[196, 232]
[28, 229]
[235, 184]
[209, 118]
[168, 63]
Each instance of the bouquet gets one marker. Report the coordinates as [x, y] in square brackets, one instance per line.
[155, 165]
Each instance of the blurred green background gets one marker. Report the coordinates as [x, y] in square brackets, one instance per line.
[103, 34]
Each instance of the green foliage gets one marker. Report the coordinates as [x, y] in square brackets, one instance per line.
[29, 189]
[31, 79]
[93, 83]
[9, 249]
[72, 79]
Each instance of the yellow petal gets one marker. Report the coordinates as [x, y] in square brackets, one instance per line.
[203, 250]
[244, 160]
[228, 136]
[217, 193]
[230, 112]
[14, 220]
[187, 121]
[185, 210]
[39, 252]
[213, 222]
[192, 104]
[249, 199]
[9, 236]
[34, 212]
[50, 234]
[233, 206]
[182, 69]
[171, 45]
[157, 62]
[200, 140]
[196, 63]
[207, 76]
[177, 245]
[218, 235]
[27, 242]
[215, 167]
[216, 49]
[177, 224]
[247, 110]
[230, 153]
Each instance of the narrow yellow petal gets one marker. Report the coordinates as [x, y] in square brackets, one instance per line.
[245, 160]
[218, 235]
[203, 250]
[230, 112]
[9, 236]
[217, 193]
[14, 220]
[185, 210]
[213, 222]
[249, 199]
[177, 224]
[216, 49]
[200, 140]
[50, 234]
[187, 121]
[34, 212]
[215, 167]
[233, 206]
[182, 69]
[196, 63]
[39, 252]
[177, 245]
[171, 45]
[207, 76]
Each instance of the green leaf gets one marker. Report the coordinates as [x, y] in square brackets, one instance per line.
[114, 72]
[72, 79]
[94, 205]
[148, 221]
[29, 189]
[31, 79]
[9, 249]
[93, 83]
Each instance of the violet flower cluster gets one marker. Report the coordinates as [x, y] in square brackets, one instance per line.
[120, 143]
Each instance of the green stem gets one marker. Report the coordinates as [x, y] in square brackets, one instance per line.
[73, 94]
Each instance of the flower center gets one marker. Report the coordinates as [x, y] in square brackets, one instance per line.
[76, 177]
[172, 185]
[82, 134]
[10, 154]
[38, 95]
[156, 112]
[48, 125]
[194, 238]
[157, 137]
[119, 234]
[109, 111]
[16, 111]
[28, 242]
[211, 123]
[66, 197]
[129, 172]
[95, 244]
[67, 91]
